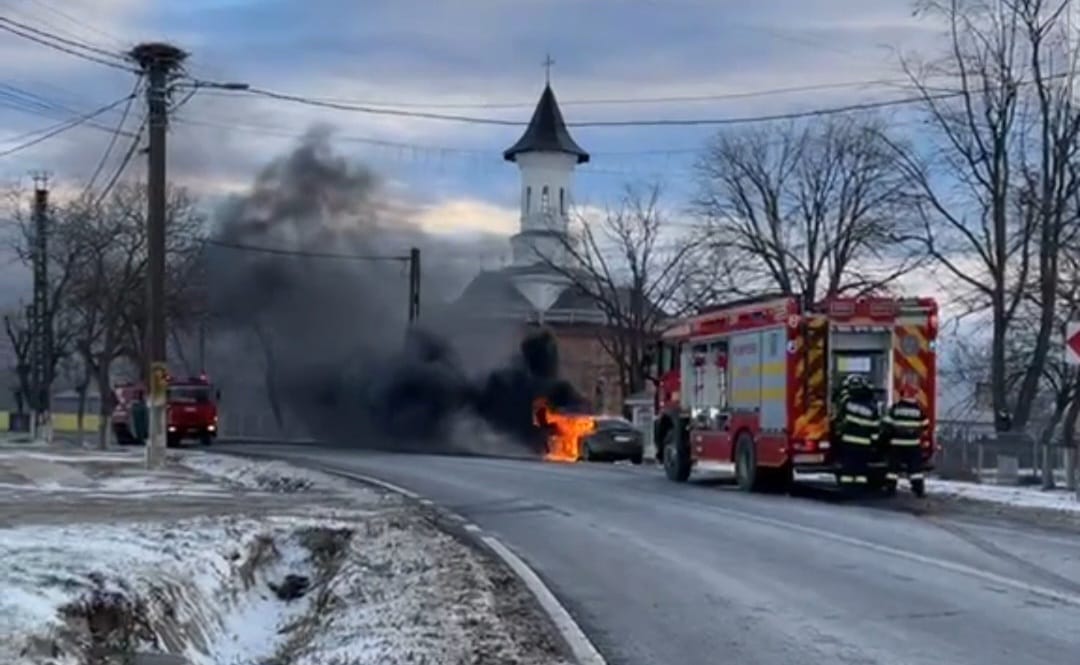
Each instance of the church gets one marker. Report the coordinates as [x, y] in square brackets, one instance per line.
[534, 290]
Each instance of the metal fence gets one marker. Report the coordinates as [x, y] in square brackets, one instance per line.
[972, 451]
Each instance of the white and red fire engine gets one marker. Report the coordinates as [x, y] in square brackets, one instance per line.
[750, 383]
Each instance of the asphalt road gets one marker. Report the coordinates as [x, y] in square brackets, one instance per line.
[659, 573]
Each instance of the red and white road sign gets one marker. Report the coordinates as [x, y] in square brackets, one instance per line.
[1072, 343]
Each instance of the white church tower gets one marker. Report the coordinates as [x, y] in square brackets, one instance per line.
[546, 156]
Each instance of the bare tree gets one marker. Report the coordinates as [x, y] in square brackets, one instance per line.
[107, 300]
[185, 227]
[17, 328]
[62, 257]
[633, 270]
[807, 209]
[995, 193]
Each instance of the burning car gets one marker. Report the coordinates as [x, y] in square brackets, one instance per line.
[575, 437]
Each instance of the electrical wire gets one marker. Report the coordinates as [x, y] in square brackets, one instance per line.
[70, 124]
[606, 101]
[303, 253]
[22, 100]
[124, 161]
[80, 22]
[62, 48]
[63, 40]
[113, 138]
[669, 122]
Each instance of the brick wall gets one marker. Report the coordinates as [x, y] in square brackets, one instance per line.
[589, 368]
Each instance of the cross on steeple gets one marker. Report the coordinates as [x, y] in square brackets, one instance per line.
[548, 62]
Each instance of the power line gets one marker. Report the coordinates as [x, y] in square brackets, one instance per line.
[112, 139]
[605, 101]
[70, 124]
[80, 22]
[304, 253]
[664, 122]
[63, 40]
[61, 47]
[124, 161]
[19, 99]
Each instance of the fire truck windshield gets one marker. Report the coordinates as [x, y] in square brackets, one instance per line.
[189, 394]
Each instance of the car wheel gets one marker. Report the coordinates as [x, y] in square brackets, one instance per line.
[636, 459]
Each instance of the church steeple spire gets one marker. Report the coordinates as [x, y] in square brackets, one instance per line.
[546, 132]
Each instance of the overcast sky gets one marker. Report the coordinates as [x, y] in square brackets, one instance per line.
[472, 57]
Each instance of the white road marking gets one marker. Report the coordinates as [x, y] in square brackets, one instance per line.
[986, 576]
[584, 651]
[397, 489]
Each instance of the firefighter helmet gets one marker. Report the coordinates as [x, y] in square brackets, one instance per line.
[855, 381]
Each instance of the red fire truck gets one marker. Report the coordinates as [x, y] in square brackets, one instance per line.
[750, 382]
[191, 409]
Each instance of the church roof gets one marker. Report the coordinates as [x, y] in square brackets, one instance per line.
[546, 132]
[493, 289]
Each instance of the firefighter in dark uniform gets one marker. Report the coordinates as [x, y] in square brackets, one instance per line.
[856, 428]
[905, 426]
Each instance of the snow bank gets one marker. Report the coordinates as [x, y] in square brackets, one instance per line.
[1025, 497]
[311, 580]
[266, 475]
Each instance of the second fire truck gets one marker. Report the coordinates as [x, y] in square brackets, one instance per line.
[751, 382]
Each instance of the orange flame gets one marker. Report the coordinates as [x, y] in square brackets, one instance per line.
[565, 431]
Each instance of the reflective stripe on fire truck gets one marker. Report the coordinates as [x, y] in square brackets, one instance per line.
[810, 401]
[912, 358]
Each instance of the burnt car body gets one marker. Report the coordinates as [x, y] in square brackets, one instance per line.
[613, 438]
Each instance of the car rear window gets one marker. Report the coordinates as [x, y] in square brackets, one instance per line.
[613, 423]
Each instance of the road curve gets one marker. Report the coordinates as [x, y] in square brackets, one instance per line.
[659, 573]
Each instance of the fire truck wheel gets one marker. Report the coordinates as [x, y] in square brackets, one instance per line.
[676, 457]
[746, 471]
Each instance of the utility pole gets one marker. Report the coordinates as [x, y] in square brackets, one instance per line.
[414, 285]
[157, 60]
[202, 344]
[40, 324]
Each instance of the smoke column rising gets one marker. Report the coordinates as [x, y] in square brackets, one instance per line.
[342, 361]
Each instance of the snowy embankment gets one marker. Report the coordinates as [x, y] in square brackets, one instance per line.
[1005, 495]
[283, 566]
[1027, 499]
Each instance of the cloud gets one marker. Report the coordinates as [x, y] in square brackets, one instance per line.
[468, 215]
[433, 53]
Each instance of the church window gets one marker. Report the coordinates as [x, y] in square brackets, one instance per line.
[545, 202]
[562, 201]
[528, 199]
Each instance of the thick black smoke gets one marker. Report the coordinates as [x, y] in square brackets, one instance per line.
[333, 332]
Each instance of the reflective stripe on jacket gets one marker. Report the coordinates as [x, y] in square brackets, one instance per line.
[905, 423]
[858, 420]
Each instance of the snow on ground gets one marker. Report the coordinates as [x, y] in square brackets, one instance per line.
[263, 474]
[1027, 496]
[114, 474]
[365, 578]
[1024, 497]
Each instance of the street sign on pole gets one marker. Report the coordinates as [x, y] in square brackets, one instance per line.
[1072, 343]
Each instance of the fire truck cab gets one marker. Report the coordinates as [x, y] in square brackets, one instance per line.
[751, 383]
[192, 410]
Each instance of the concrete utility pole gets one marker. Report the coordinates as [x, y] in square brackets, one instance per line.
[157, 61]
[40, 328]
[414, 285]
